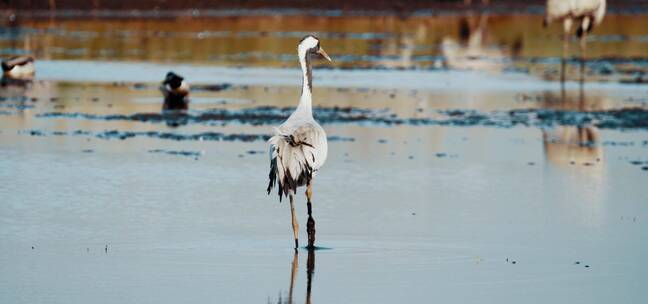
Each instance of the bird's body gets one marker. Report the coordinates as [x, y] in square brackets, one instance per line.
[20, 67]
[175, 91]
[298, 148]
[585, 13]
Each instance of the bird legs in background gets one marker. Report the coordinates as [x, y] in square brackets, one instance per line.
[310, 225]
[583, 29]
[567, 24]
[583, 47]
[295, 225]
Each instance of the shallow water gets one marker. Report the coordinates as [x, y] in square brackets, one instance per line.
[445, 181]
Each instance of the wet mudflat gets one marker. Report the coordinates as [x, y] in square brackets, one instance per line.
[451, 177]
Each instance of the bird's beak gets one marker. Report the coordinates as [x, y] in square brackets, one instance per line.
[321, 52]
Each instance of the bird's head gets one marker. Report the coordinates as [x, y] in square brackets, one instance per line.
[310, 45]
[174, 80]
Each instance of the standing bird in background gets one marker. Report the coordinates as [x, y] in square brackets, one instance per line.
[175, 91]
[586, 14]
[298, 148]
[19, 67]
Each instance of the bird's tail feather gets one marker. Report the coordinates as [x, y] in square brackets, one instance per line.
[289, 166]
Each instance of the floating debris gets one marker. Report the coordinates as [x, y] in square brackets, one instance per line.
[211, 87]
[194, 154]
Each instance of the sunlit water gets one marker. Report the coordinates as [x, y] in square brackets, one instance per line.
[457, 171]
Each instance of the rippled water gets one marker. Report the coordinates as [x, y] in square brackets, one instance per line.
[459, 169]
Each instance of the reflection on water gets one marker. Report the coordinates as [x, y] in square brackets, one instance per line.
[570, 145]
[310, 270]
[174, 118]
[419, 42]
[14, 88]
[474, 49]
[111, 139]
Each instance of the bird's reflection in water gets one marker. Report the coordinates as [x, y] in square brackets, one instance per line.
[175, 118]
[310, 270]
[573, 145]
[11, 88]
[174, 111]
[16, 91]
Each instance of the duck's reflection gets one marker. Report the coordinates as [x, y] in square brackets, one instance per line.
[175, 118]
[14, 91]
[310, 270]
[11, 88]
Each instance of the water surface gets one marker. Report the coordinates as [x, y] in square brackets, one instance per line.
[458, 169]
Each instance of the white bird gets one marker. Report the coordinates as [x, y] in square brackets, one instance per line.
[19, 67]
[298, 148]
[586, 14]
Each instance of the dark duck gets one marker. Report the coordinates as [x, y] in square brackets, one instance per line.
[175, 91]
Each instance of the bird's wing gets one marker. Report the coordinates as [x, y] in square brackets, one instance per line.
[294, 156]
[20, 60]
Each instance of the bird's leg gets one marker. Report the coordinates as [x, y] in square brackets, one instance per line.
[567, 23]
[295, 225]
[582, 63]
[310, 225]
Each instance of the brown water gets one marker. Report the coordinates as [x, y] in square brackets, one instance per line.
[458, 169]
[383, 41]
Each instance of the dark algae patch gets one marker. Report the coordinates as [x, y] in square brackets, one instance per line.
[253, 116]
[643, 164]
[629, 118]
[192, 154]
[123, 135]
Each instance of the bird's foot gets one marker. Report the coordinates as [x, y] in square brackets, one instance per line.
[310, 229]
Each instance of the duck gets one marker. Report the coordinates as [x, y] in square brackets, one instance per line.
[176, 92]
[19, 67]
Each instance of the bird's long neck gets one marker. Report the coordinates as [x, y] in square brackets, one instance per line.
[305, 101]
